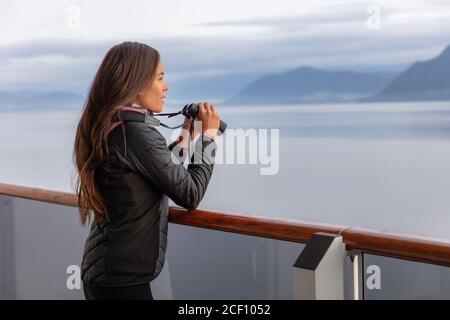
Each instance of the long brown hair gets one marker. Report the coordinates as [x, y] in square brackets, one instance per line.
[123, 73]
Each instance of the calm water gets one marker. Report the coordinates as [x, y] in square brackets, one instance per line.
[382, 166]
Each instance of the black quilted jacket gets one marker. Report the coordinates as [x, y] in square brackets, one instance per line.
[135, 182]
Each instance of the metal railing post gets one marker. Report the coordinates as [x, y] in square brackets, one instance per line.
[7, 263]
[356, 275]
[319, 270]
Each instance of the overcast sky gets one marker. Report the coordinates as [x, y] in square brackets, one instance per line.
[57, 45]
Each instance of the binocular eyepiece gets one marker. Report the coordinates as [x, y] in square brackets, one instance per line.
[191, 111]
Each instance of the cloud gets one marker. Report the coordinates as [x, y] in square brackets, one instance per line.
[327, 36]
[329, 15]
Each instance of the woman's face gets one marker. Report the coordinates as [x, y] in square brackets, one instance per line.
[153, 95]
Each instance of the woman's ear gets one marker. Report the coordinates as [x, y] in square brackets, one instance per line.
[137, 99]
[141, 93]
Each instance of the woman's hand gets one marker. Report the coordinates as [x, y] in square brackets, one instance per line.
[210, 119]
[188, 133]
[188, 128]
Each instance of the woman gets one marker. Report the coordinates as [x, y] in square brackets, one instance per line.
[126, 173]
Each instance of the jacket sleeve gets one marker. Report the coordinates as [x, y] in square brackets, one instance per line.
[151, 157]
[179, 152]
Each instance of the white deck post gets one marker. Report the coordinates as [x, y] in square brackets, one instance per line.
[319, 270]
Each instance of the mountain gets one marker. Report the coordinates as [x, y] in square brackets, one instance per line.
[213, 88]
[310, 85]
[424, 80]
[31, 100]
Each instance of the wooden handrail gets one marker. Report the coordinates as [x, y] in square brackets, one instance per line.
[416, 248]
[32, 193]
[266, 227]
[421, 249]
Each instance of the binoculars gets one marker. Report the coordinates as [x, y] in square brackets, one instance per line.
[191, 111]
